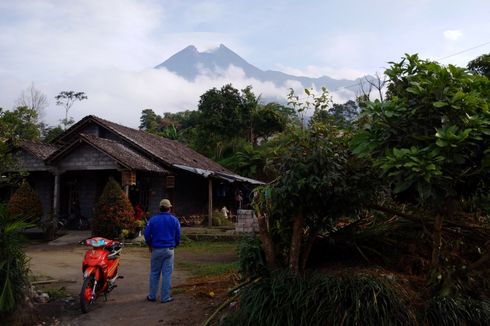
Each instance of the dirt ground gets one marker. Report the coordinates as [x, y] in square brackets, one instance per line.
[195, 300]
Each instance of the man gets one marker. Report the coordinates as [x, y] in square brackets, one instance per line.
[162, 235]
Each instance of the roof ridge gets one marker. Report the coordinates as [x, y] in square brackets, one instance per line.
[36, 141]
[84, 135]
[142, 132]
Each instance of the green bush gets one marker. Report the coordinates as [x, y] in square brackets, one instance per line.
[252, 260]
[285, 299]
[25, 203]
[13, 263]
[114, 215]
[220, 220]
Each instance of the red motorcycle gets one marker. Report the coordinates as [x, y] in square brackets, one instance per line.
[100, 270]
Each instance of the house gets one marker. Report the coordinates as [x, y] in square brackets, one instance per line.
[70, 173]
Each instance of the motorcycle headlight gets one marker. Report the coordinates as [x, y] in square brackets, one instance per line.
[96, 242]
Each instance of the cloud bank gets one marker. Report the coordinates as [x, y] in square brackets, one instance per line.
[106, 49]
[120, 95]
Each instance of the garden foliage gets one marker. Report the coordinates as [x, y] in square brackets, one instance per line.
[401, 187]
[287, 299]
[318, 181]
[25, 203]
[114, 215]
[252, 260]
[13, 263]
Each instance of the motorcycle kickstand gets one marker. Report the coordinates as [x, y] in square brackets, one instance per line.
[105, 296]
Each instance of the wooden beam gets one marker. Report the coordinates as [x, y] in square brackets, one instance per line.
[210, 202]
[56, 194]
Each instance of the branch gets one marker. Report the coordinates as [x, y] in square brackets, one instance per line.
[395, 212]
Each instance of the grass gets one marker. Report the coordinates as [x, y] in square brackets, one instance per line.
[202, 249]
[209, 246]
[206, 270]
[321, 300]
[56, 293]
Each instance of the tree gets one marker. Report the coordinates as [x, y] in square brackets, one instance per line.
[113, 213]
[224, 120]
[345, 113]
[170, 125]
[149, 121]
[222, 112]
[66, 99]
[33, 99]
[269, 119]
[319, 103]
[19, 124]
[318, 180]
[50, 133]
[430, 138]
[378, 83]
[25, 204]
[481, 65]
[339, 114]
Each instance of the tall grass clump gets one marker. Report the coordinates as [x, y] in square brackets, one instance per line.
[13, 263]
[286, 299]
[457, 311]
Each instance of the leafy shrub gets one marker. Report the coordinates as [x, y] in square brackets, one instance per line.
[13, 263]
[219, 219]
[25, 203]
[457, 311]
[113, 213]
[286, 299]
[252, 260]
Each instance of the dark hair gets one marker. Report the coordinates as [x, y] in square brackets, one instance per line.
[164, 209]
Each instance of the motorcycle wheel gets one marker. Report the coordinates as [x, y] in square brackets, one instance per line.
[86, 293]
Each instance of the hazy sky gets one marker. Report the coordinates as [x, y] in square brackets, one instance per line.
[107, 48]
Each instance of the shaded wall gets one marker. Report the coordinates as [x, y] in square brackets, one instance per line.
[43, 182]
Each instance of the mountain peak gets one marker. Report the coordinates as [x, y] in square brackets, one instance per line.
[190, 63]
[190, 48]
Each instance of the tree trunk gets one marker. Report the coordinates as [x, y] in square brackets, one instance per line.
[437, 240]
[447, 211]
[295, 249]
[266, 241]
[307, 251]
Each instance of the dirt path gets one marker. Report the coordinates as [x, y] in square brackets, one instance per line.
[126, 305]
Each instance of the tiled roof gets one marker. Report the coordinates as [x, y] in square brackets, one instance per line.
[169, 151]
[123, 154]
[119, 152]
[38, 149]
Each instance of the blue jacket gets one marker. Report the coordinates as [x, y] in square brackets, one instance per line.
[162, 231]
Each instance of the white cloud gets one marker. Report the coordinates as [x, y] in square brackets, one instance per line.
[453, 35]
[120, 95]
[316, 71]
[69, 37]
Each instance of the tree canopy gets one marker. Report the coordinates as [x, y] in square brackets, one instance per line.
[66, 99]
[481, 65]
[430, 138]
[19, 124]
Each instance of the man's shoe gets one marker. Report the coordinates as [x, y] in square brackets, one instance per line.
[150, 299]
[168, 300]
